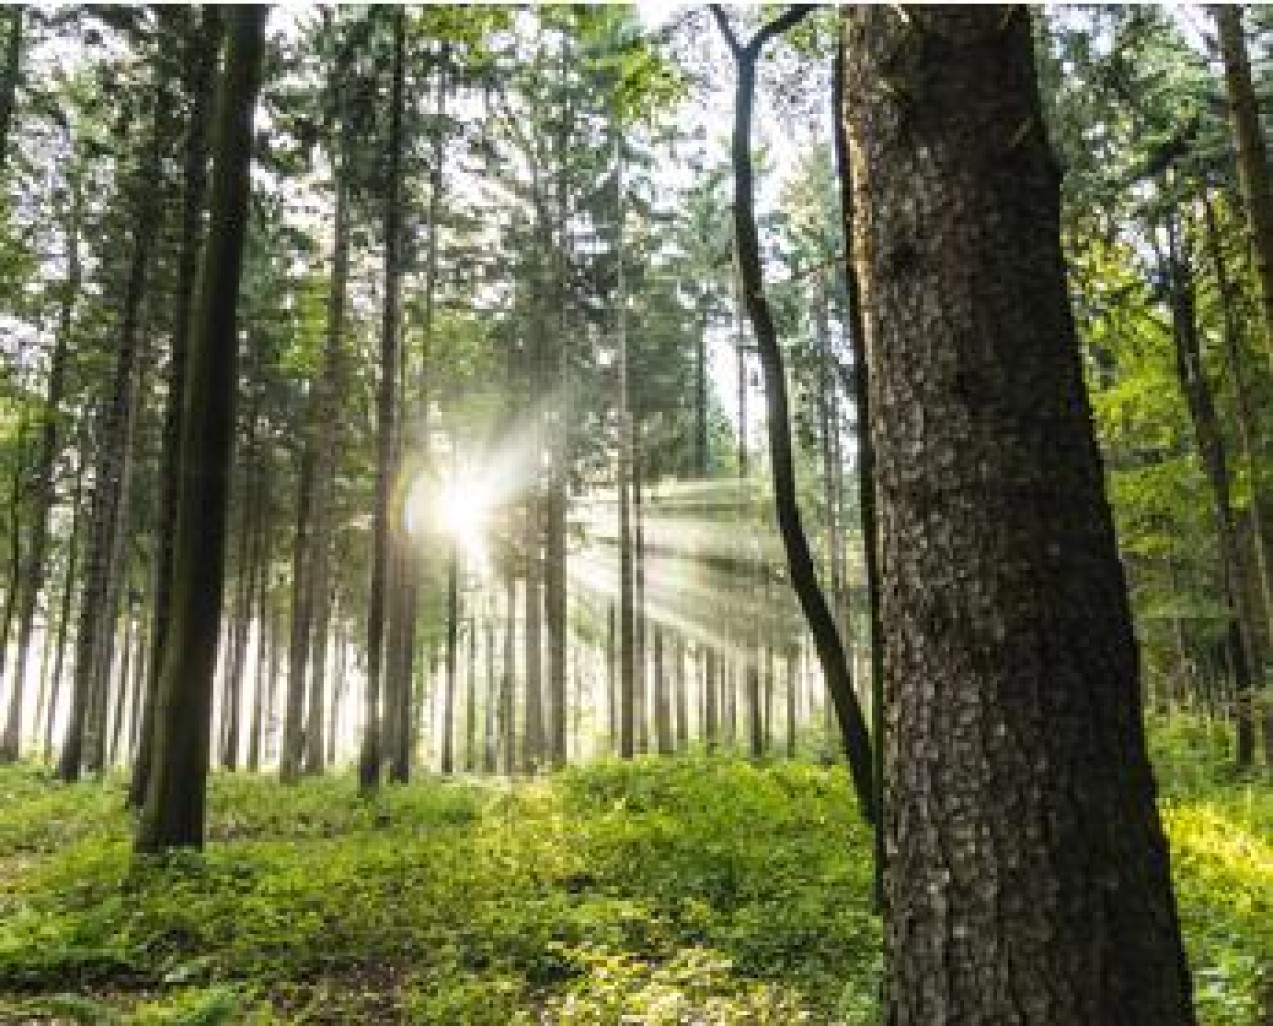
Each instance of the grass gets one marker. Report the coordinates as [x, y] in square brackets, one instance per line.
[663, 891]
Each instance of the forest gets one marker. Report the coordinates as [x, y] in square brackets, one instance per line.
[636, 513]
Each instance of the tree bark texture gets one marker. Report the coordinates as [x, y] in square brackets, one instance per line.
[1027, 878]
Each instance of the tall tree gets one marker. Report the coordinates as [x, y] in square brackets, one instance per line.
[33, 576]
[1027, 878]
[800, 565]
[199, 75]
[370, 755]
[173, 813]
[9, 75]
[1253, 157]
[114, 434]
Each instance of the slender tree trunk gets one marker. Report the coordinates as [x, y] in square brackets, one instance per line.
[452, 642]
[1248, 437]
[533, 733]
[64, 612]
[96, 609]
[682, 697]
[662, 705]
[32, 580]
[370, 755]
[640, 620]
[1253, 158]
[302, 615]
[627, 623]
[711, 668]
[1196, 387]
[1027, 879]
[241, 617]
[800, 565]
[10, 76]
[508, 726]
[173, 813]
[488, 724]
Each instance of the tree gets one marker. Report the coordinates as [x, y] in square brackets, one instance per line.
[173, 813]
[804, 578]
[370, 756]
[1253, 157]
[1027, 878]
[9, 76]
[201, 46]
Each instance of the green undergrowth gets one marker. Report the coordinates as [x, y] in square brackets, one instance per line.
[689, 890]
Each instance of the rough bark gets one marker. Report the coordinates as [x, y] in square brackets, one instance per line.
[1027, 878]
[173, 812]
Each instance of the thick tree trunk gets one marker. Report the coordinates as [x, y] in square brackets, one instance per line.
[1027, 878]
[173, 813]
[1253, 158]
[200, 65]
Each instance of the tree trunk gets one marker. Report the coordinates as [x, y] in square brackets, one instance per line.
[488, 724]
[1027, 879]
[861, 392]
[370, 756]
[1196, 388]
[452, 642]
[800, 565]
[682, 697]
[173, 813]
[508, 726]
[10, 77]
[32, 580]
[200, 69]
[1253, 158]
[96, 609]
[64, 612]
[261, 611]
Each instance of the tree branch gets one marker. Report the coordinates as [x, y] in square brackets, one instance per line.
[726, 29]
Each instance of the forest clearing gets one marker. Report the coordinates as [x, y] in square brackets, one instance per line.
[636, 514]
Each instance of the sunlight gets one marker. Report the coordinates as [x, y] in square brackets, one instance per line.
[461, 509]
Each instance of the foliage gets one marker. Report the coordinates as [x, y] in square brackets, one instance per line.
[698, 889]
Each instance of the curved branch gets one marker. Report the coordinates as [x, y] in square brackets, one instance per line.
[800, 564]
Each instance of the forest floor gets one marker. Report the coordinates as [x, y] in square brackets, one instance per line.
[695, 889]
